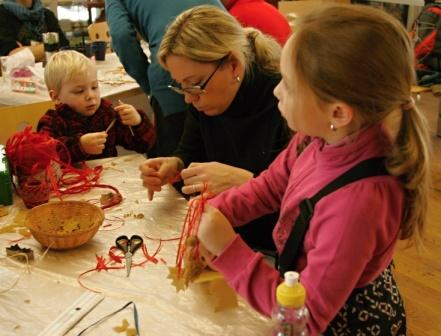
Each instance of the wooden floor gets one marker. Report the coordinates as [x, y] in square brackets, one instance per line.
[419, 274]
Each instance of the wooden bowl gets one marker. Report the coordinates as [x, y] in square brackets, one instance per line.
[64, 225]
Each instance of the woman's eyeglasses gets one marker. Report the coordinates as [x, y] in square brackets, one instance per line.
[197, 89]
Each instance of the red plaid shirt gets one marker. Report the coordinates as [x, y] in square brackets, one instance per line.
[68, 126]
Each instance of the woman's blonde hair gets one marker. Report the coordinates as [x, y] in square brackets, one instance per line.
[363, 56]
[63, 66]
[207, 33]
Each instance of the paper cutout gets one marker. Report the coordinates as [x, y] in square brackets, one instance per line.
[178, 283]
[214, 287]
[220, 294]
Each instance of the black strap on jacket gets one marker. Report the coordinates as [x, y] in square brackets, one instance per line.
[293, 246]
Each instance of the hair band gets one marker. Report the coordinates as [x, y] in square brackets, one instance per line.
[409, 105]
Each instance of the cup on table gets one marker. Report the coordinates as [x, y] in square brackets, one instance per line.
[88, 49]
[51, 44]
[99, 50]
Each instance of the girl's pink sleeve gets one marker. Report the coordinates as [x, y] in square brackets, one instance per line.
[249, 274]
[245, 270]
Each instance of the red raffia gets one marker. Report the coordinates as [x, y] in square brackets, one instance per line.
[114, 257]
[190, 228]
[100, 263]
[149, 257]
[106, 264]
[30, 152]
[37, 155]
[15, 241]
[109, 226]
[162, 239]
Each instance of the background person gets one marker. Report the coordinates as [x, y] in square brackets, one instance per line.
[261, 15]
[328, 93]
[233, 130]
[87, 125]
[150, 19]
[22, 24]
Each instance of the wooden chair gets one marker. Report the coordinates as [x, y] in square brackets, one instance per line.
[99, 31]
[16, 118]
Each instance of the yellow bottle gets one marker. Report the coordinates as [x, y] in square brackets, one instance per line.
[290, 315]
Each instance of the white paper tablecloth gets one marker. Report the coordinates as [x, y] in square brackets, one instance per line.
[51, 286]
[106, 72]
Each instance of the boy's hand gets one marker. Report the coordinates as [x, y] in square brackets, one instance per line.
[128, 114]
[93, 143]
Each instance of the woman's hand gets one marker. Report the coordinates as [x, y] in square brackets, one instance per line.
[93, 143]
[128, 114]
[217, 176]
[215, 233]
[159, 171]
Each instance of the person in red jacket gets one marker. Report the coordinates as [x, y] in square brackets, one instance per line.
[261, 15]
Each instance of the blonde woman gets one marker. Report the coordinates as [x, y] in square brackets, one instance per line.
[233, 129]
[347, 73]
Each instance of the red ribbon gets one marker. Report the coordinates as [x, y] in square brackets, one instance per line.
[32, 153]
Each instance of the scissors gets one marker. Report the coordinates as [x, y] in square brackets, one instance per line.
[129, 247]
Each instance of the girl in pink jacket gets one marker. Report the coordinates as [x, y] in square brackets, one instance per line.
[346, 78]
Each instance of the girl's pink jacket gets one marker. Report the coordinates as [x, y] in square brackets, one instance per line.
[351, 237]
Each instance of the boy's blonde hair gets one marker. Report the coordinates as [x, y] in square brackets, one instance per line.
[363, 57]
[63, 66]
[207, 33]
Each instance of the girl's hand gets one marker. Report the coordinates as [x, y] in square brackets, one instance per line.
[215, 233]
[159, 171]
[93, 143]
[217, 176]
[128, 114]
[206, 256]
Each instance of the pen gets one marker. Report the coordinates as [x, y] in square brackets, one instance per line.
[130, 127]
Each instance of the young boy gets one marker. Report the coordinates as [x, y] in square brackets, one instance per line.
[87, 125]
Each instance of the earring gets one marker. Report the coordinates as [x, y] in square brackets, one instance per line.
[238, 79]
[332, 127]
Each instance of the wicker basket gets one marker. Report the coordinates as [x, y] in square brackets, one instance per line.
[64, 225]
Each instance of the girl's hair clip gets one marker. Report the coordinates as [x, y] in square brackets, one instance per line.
[409, 105]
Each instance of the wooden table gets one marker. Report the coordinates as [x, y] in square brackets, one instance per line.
[50, 285]
[20, 109]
